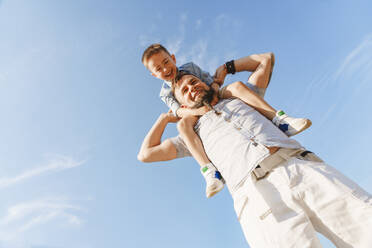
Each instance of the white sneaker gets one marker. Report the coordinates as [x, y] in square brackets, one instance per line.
[289, 125]
[213, 179]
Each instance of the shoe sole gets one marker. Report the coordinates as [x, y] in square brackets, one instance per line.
[307, 125]
[216, 191]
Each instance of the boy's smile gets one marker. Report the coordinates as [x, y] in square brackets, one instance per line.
[162, 66]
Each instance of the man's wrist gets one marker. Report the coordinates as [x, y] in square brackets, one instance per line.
[230, 67]
[224, 73]
[163, 117]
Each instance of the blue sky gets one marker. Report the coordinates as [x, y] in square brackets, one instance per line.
[76, 102]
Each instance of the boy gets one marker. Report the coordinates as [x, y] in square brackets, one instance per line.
[162, 65]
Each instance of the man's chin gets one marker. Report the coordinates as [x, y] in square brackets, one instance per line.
[202, 98]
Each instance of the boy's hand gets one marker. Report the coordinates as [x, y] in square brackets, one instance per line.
[220, 74]
[184, 111]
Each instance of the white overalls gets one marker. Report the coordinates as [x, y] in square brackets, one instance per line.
[297, 197]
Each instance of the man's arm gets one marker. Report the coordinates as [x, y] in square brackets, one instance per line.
[152, 148]
[260, 64]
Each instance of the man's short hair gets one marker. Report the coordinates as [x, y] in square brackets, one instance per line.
[151, 50]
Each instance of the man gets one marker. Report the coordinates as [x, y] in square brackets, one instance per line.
[282, 193]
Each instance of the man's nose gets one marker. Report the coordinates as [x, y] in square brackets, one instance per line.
[190, 90]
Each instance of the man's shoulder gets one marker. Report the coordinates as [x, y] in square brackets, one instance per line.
[231, 104]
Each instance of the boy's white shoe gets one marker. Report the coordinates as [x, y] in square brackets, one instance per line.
[213, 179]
[289, 125]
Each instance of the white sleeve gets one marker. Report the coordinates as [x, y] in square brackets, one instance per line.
[181, 147]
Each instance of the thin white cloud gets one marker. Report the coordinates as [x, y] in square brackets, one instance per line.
[198, 24]
[3, 76]
[146, 40]
[183, 17]
[356, 59]
[25, 216]
[55, 163]
[221, 22]
[186, 47]
[198, 52]
[356, 67]
[174, 44]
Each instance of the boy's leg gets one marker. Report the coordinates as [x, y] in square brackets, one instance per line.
[213, 178]
[289, 125]
[244, 93]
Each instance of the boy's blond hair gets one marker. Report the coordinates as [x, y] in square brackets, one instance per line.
[151, 50]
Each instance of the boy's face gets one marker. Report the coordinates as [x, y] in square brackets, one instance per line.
[162, 66]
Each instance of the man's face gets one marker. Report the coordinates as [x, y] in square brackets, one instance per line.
[190, 91]
[162, 66]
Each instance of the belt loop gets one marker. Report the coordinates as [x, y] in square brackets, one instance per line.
[259, 173]
[283, 153]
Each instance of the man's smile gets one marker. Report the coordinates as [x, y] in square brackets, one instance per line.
[196, 93]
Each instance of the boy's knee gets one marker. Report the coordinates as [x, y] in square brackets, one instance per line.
[182, 125]
[186, 123]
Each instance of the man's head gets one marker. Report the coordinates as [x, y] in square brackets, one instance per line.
[190, 91]
[160, 62]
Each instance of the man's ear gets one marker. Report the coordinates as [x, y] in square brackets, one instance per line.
[173, 58]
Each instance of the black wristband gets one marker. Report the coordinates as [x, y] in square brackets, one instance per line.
[230, 67]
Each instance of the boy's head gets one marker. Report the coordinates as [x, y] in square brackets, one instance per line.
[160, 62]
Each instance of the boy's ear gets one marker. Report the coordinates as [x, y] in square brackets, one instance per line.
[153, 74]
[174, 58]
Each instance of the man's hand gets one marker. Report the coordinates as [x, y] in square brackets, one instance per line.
[152, 148]
[215, 86]
[220, 75]
[169, 117]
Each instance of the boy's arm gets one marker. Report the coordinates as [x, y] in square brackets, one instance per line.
[168, 98]
[152, 148]
[182, 112]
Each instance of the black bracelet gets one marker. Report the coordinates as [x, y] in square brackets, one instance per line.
[230, 67]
